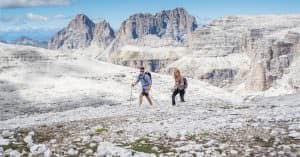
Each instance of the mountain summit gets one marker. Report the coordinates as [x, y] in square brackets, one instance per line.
[80, 33]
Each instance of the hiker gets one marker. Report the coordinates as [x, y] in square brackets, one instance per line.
[180, 86]
[146, 82]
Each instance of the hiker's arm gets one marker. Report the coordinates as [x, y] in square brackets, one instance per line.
[136, 82]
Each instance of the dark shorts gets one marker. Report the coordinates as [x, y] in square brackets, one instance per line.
[144, 93]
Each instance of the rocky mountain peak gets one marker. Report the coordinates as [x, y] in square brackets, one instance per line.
[103, 34]
[167, 23]
[81, 20]
[81, 32]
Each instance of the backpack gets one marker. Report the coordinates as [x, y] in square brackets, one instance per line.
[185, 82]
[149, 74]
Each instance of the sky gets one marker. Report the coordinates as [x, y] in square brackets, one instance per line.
[41, 19]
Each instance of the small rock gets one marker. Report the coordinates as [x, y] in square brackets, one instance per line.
[38, 149]
[7, 134]
[295, 135]
[86, 139]
[28, 140]
[31, 133]
[272, 154]
[77, 139]
[233, 152]
[14, 153]
[53, 141]
[1, 151]
[47, 153]
[274, 133]
[72, 152]
[8, 151]
[281, 153]
[155, 149]
[89, 152]
[4, 142]
[93, 145]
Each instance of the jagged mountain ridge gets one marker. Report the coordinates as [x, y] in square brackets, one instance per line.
[81, 33]
[236, 52]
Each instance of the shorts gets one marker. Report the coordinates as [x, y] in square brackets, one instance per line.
[144, 93]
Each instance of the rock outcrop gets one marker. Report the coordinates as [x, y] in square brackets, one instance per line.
[81, 33]
[259, 49]
[168, 27]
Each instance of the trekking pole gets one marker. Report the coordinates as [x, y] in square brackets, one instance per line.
[130, 99]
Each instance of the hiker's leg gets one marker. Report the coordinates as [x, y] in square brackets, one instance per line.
[149, 99]
[173, 96]
[182, 92]
[141, 99]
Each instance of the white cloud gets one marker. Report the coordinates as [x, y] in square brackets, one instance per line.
[31, 3]
[59, 16]
[36, 17]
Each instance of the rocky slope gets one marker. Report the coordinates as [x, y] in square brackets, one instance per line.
[81, 33]
[61, 104]
[245, 52]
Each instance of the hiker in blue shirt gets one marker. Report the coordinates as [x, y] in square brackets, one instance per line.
[146, 82]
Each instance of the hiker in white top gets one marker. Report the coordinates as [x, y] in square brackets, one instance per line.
[179, 87]
[146, 82]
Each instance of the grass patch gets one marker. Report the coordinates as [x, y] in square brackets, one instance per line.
[146, 146]
[204, 134]
[263, 143]
[17, 146]
[101, 130]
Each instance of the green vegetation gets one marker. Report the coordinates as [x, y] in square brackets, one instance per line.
[101, 130]
[146, 146]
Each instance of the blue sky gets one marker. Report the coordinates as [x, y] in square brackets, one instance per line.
[40, 19]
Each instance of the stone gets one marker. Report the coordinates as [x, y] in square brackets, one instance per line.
[89, 152]
[53, 141]
[15, 153]
[3, 142]
[38, 149]
[7, 134]
[156, 149]
[233, 152]
[72, 152]
[295, 135]
[28, 140]
[1, 151]
[47, 153]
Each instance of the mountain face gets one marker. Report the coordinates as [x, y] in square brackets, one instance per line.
[23, 40]
[80, 33]
[103, 34]
[246, 52]
[173, 26]
[154, 40]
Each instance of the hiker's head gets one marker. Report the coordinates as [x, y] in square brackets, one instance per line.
[142, 70]
[177, 73]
